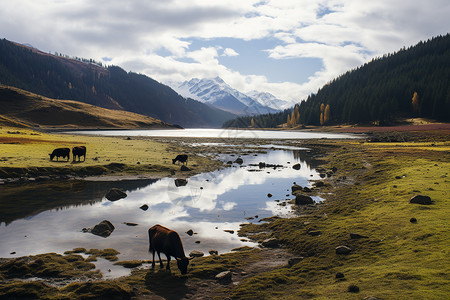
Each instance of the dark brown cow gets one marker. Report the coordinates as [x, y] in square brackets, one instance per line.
[167, 241]
[182, 158]
[60, 152]
[79, 151]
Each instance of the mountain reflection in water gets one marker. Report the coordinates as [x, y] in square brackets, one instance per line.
[49, 218]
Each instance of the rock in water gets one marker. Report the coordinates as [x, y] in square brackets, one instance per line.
[180, 182]
[144, 207]
[190, 232]
[104, 228]
[421, 199]
[115, 194]
[239, 161]
[296, 166]
[196, 253]
[303, 199]
[295, 188]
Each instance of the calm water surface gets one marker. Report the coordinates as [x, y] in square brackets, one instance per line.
[226, 134]
[50, 218]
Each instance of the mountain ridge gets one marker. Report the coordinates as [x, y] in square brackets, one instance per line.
[216, 92]
[59, 77]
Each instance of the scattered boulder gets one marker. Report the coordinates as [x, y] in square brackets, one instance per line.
[103, 229]
[229, 231]
[229, 162]
[184, 168]
[413, 220]
[296, 166]
[303, 199]
[343, 250]
[356, 236]
[339, 275]
[197, 242]
[239, 161]
[115, 194]
[213, 252]
[180, 182]
[271, 243]
[190, 232]
[262, 165]
[315, 233]
[269, 195]
[224, 276]
[307, 189]
[421, 199]
[196, 253]
[144, 207]
[295, 188]
[294, 261]
[319, 184]
[353, 289]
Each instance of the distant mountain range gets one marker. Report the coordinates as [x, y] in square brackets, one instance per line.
[60, 77]
[217, 93]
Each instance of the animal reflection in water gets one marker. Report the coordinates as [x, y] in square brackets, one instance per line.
[167, 241]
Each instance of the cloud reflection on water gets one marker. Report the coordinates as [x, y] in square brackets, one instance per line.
[220, 199]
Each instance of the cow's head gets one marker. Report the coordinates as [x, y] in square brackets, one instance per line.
[51, 156]
[183, 264]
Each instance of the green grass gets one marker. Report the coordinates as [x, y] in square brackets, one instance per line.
[399, 259]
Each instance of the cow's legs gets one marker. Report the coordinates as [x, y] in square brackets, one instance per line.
[160, 260]
[153, 263]
[168, 262]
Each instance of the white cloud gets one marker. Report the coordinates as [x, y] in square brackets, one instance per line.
[155, 37]
[229, 52]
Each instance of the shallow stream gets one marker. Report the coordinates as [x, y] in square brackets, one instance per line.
[41, 218]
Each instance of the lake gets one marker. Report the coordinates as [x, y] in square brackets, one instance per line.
[40, 218]
[225, 134]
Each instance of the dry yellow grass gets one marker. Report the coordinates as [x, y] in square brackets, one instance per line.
[25, 148]
[21, 108]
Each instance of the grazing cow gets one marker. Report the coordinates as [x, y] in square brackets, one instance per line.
[60, 152]
[167, 241]
[79, 151]
[182, 158]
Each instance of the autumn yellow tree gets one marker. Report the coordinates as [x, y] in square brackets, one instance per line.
[288, 122]
[322, 108]
[326, 114]
[295, 118]
[415, 102]
[252, 123]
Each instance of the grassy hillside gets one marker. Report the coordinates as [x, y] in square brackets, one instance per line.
[22, 108]
[60, 77]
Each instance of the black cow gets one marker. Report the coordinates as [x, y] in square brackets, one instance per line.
[182, 158]
[60, 152]
[167, 241]
[79, 151]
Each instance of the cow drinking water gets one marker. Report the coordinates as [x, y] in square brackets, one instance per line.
[167, 241]
[60, 152]
[182, 158]
[79, 151]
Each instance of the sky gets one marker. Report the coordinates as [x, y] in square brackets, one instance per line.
[289, 48]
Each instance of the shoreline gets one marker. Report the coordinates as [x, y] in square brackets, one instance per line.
[367, 195]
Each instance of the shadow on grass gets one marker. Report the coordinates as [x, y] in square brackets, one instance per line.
[166, 284]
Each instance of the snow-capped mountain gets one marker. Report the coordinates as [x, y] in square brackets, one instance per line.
[217, 93]
[267, 99]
